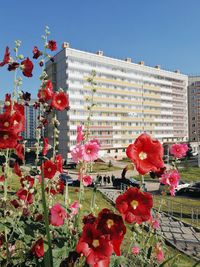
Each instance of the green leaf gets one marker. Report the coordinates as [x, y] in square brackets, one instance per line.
[163, 264]
[196, 264]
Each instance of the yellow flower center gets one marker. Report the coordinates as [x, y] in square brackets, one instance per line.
[134, 204]
[6, 124]
[59, 101]
[95, 243]
[49, 169]
[88, 151]
[142, 155]
[110, 223]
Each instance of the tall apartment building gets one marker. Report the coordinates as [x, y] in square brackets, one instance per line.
[194, 107]
[130, 98]
[31, 114]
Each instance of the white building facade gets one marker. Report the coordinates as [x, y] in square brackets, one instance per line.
[130, 99]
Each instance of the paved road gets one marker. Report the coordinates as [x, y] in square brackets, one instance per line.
[182, 236]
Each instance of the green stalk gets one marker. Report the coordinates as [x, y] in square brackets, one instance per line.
[49, 262]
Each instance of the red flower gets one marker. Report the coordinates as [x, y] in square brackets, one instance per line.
[25, 196]
[19, 149]
[38, 248]
[13, 66]
[46, 93]
[59, 163]
[49, 168]
[60, 186]
[15, 203]
[6, 58]
[146, 154]
[14, 122]
[112, 224]
[60, 101]
[2, 178]
[17, 170]
[36, 52]
[97, 248]
[27, 181]
[90, 218]
[27, 67]
[46, 146]
[58, 215]
[8, 139]
[134, 205]
[52, 45]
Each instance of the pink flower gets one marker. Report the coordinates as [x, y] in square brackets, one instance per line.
[159, 252]
[179, 150]
[90, 151]
[135, 250]
[171, 178]
[80, 135]
[77, 153]
[155, 224]
[74, 208]
[87, 180]
[46, 146]
[58, 215]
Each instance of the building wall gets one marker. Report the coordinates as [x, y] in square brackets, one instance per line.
[194, 107]
[130, 98]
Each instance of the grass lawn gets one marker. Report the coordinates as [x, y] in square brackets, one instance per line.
[101, 167]
[190, 174]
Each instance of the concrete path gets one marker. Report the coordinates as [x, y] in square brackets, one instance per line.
[181, 236]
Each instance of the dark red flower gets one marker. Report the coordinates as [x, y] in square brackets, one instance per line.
[112, 224]
[27, 67]
[25, 196]
[26, 96]
[17, 170]
[146, 153]
[60, 101]
[90, 218]
[60, 186]
[52, 45]
[19, 149]
[27, 181]
[36, 52]
[45, 146]
[46, 92]
[2, 178]
[134, 205]
[1, 239]
[15, 203]
[6, 58]
[8, 139]
[13, 66]
[97, 248]
[13, 123]
[59, 163]
[158, 173]
[38, 248]
[49, 169]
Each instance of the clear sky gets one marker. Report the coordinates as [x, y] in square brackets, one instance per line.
[164, 32]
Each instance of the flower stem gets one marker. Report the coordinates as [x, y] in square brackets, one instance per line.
[50, 256]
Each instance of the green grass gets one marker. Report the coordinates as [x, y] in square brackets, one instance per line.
[190, 174]
[101, 167]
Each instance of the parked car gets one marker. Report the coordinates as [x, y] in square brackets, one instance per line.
[66, 178]
[192, 190]
[132, 182]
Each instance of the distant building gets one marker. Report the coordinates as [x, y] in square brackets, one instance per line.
[130, 98]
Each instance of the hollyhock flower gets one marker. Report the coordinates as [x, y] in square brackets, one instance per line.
[27, 181]
[46, 93]
[77, 153]
[38, 248]
[36, 52]
[80, 134]
[134, 205]
[1, 239]
[15, 203]
[27, 66]
[87, 180]
[158, 173]
[52, 45]
[135, 250]
[49, 169]
[159, 252]
[74, 208]
[90, 151]
[12, 122]
[2, 178]
[25, 196]
[45, 146]
[8, 139]
[17, 170]
[13, 66]
[6, 58]
[178, 150]
[95, 246]
[59, 163]
[90, 218]
[58, 215]
[171, 178]
[7, 103]
[146, 153]
[19, 149]
[60, 101]
[60, 186]
[26, 96]
[112, 224]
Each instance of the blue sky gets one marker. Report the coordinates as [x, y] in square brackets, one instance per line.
[155, 31]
